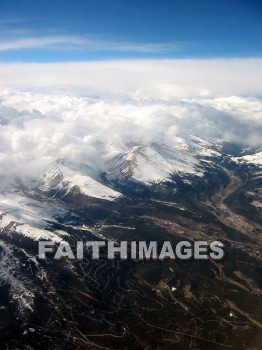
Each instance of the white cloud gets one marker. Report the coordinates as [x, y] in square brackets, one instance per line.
[88, 43]
[78, 111]
[39, 128]
[157, 79]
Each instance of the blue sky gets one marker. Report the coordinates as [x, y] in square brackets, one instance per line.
[93, 30]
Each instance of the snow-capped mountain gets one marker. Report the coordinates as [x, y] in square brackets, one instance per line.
[255, 158]
[151, 164]
[65, 177]
[185, 190]
[30, 204]
[25, 214]
[159, 161]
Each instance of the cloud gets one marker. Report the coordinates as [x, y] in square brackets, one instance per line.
[86, 43]
[38, 128]
[82, 111]
[145, 79]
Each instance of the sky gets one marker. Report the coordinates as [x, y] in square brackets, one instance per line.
[168, 48]
[77, 76]
[92, 30]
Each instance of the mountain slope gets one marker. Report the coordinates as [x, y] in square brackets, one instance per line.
[67, 176]
[159, 161]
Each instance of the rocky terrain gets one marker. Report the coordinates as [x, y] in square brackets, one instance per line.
[190, 190]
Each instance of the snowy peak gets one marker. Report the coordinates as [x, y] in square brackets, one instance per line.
[140, 163]
[255, 158]
[9, 226]
[68, 176]
[158, 161]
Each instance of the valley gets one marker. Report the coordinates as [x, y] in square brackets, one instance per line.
[131, 304]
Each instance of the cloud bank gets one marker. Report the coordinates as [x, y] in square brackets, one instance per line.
[157, 79]
[80, 111]
[37, 129]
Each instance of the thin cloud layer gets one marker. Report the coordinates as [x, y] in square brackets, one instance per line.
[87, 43]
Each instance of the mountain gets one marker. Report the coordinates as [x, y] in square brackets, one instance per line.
[255, 159]
[66, 177]
[158, 162]
[189, 189]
